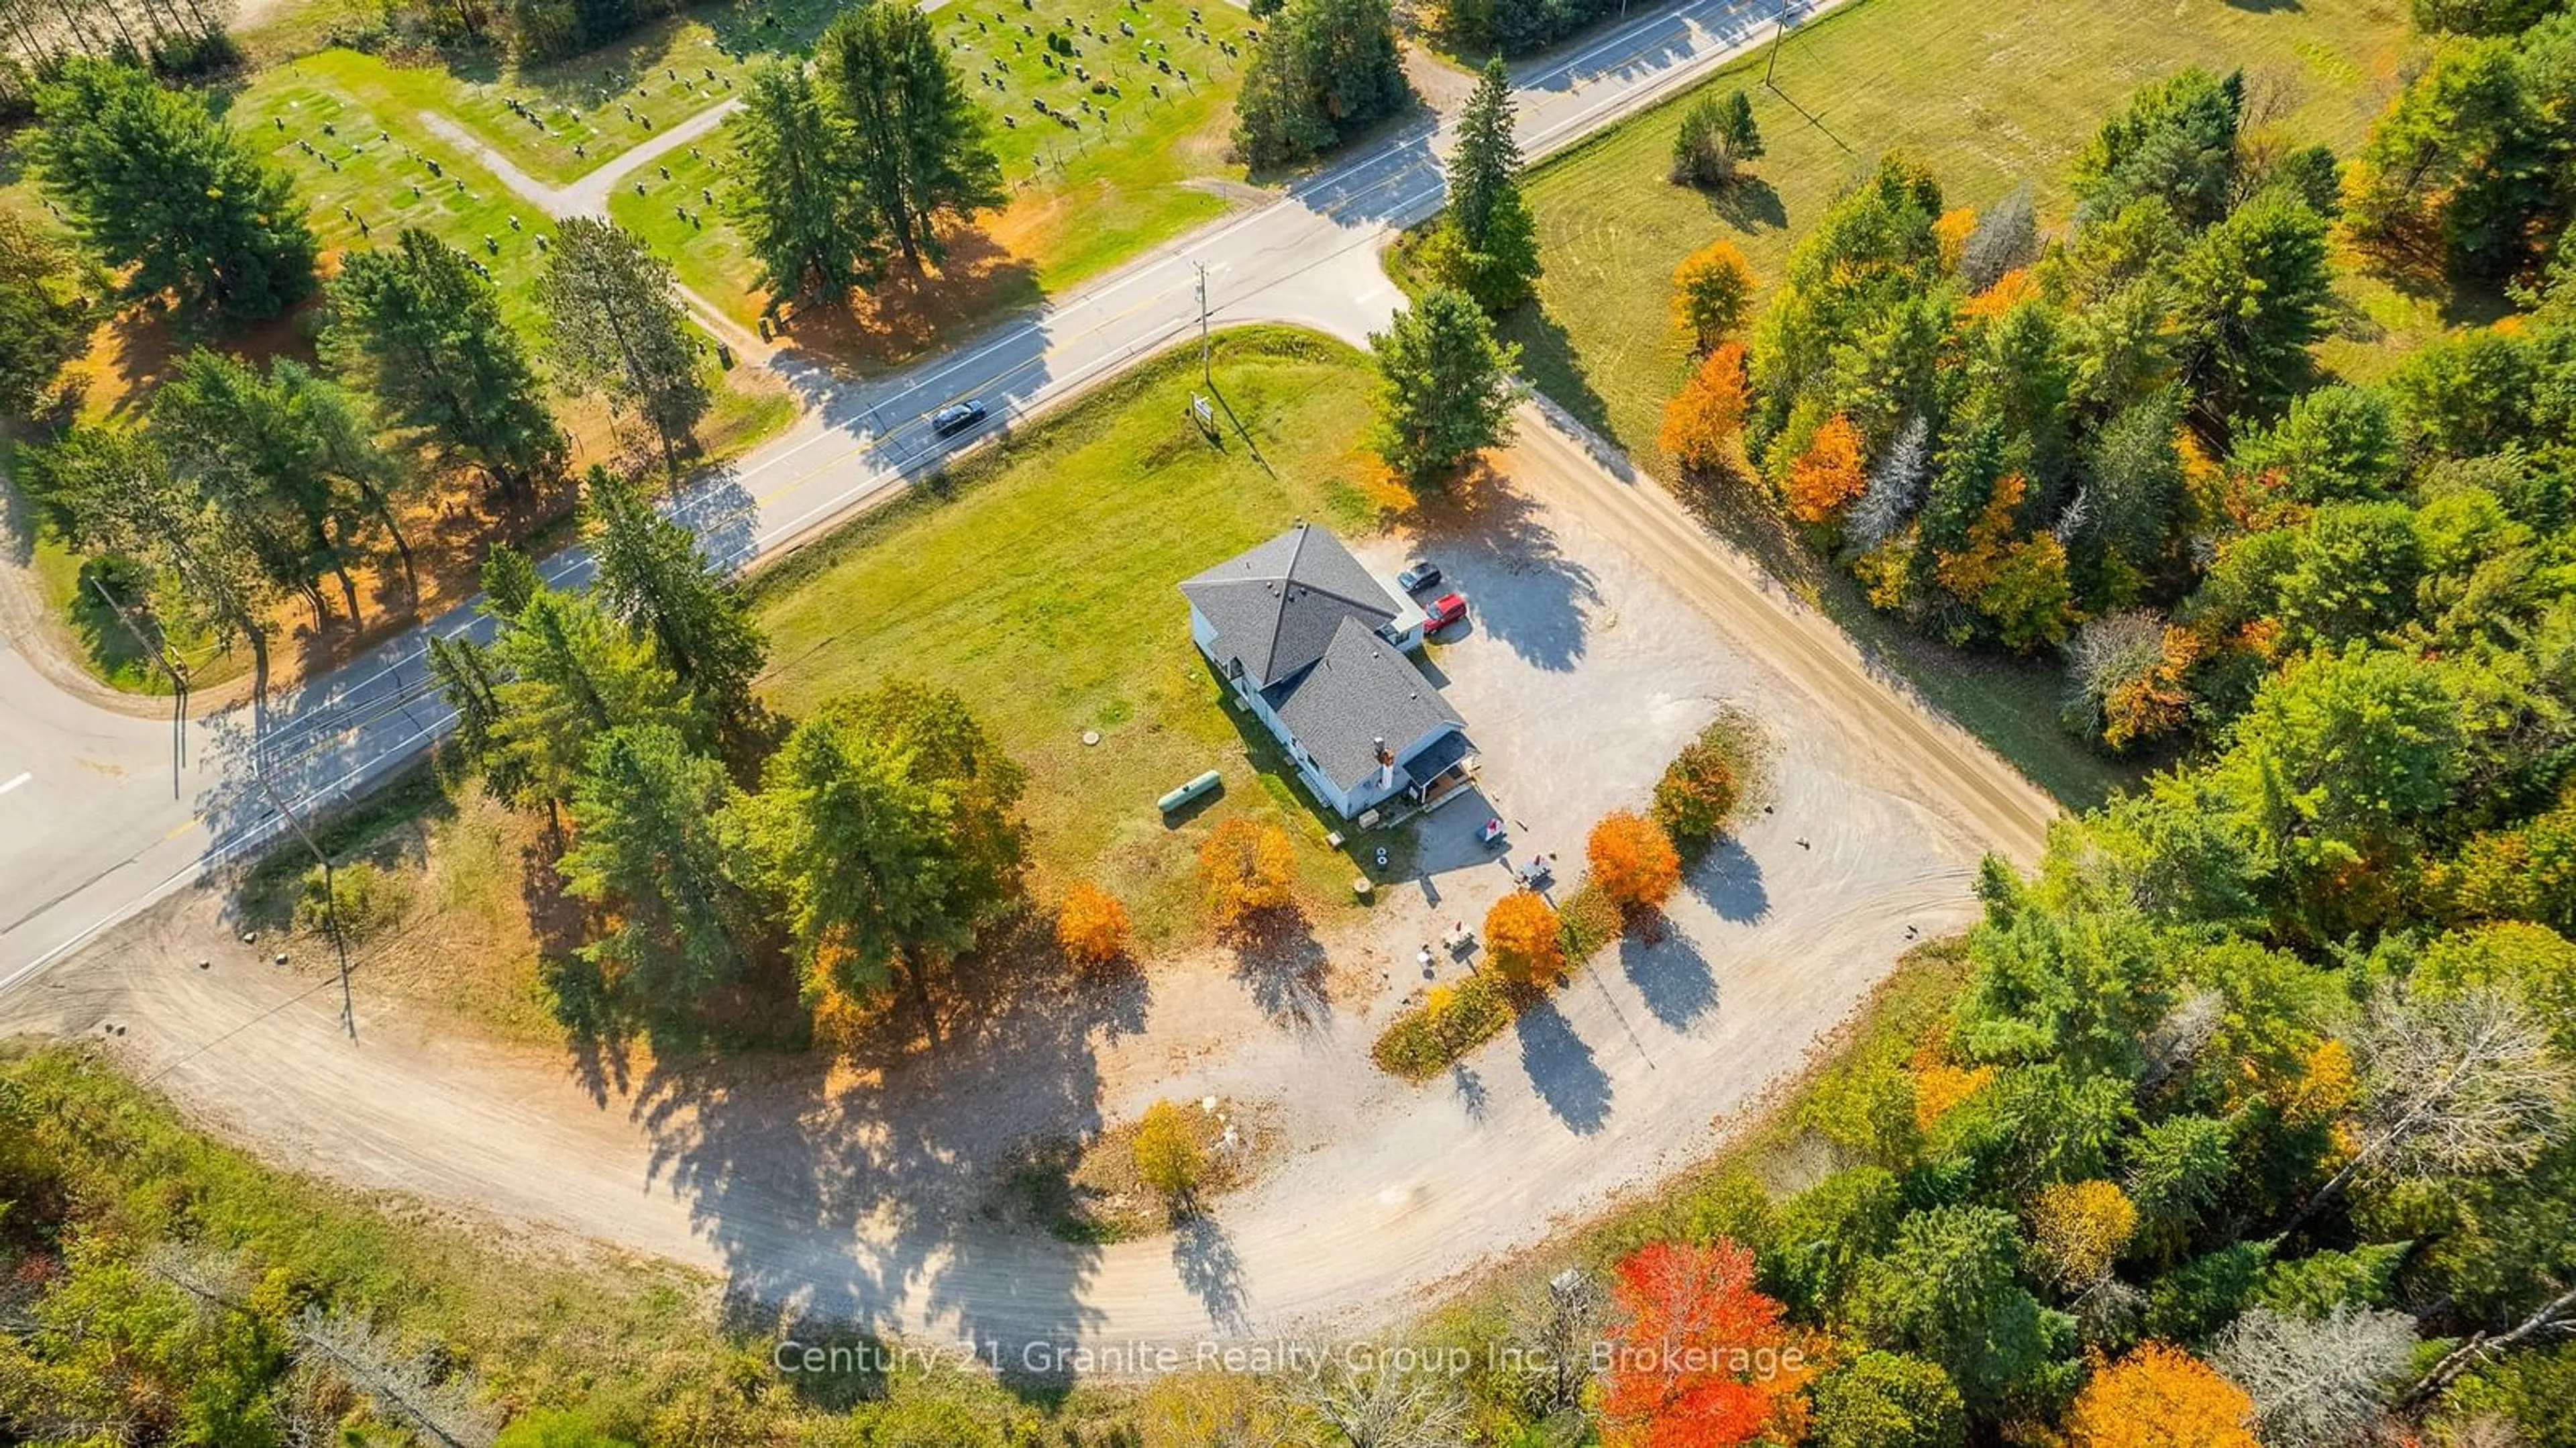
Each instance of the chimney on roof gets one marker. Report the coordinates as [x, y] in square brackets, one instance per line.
[1385, 763]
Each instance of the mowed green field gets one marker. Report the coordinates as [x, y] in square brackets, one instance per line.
[1989, 96]
[560, 121]
[1042, 580]
[1125, 169]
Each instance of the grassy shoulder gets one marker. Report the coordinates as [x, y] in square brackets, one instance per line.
[1139, 157]
[117, 1202]
[1040, 579]
[1094, 1191]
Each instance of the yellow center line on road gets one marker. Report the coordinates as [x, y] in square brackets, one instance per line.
[183, 826]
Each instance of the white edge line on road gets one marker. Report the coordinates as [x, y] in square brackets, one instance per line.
[23, 777]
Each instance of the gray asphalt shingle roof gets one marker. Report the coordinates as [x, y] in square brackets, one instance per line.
[1277, 606]
[1359, 690]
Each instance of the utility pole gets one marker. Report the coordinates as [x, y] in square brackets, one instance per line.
[1779, 32]
[330, 887]
[1206, 373]
[178, 681]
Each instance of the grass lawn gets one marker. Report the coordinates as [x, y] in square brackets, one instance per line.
[1989, 96]
[1041, 580]
[1139, 170]
[662, 74]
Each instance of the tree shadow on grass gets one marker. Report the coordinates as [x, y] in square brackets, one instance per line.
[907, 315]
[1748, 203]
[1551, 363]
[1562, 1068]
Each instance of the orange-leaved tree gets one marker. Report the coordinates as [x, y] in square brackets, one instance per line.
[1699, 1358]
[1703, 420]
[1091, 927]
[1522, 938]
[1829, 473]
[1633, 861]
[1711, 290]
[1248, 869]
[2159, 1395]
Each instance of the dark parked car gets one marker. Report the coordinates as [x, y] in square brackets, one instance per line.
[956, 417]
[1450, 608]
[1418, 576]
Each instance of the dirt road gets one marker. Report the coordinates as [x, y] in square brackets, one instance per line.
[1610, 629]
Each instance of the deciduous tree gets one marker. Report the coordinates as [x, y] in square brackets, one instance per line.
[2080, 1229]
[1697, 794]
[1712, 289]
[1091, 926]
[44, 313]
[2318, 1382]
[1828, 475]
[1633, 861]
[2160, 1397]
[1522, 939]
[1703, 422]
[1699, 1356]
[1246, 869]
[1168, 1154]
[1887, 1400]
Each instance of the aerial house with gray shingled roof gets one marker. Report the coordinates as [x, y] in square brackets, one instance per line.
[1312, 643]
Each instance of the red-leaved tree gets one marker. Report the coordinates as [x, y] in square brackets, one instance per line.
[1699, 1358]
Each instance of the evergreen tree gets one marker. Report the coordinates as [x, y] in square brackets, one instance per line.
[2254, 293]
[1487, 244]
[883, 827]
[652, 576]
[917, 138]
[427, 334]
[1717, 136]
[567, 676]
[1326, 70]
[289, 455]
[153, 181]
[44, 317]
[795, 196]
[2176, 141]
[653, 851]
[617, 324]
[1445, 390]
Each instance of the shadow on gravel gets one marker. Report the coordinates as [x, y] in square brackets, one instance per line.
[1562, 1069]
[1671, 976]
[1203, 1254]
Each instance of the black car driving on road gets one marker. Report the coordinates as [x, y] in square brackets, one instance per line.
[956, 417]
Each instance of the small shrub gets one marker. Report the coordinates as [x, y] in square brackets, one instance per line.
[1717, 136]
[1451, 1021]
[1168, 1155]
[1696, 796]
[1091, 927]
[368, 898]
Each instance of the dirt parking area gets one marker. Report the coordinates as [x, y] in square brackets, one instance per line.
[861, 1193]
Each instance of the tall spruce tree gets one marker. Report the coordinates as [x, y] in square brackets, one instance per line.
[795, 194]
[917, 146]
[1487, 245]
[426, 333]
[653, 851]
[617, 326]
[154, 182]
[652, 576]
[1445, 389]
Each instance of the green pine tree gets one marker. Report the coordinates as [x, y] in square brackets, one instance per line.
[617, 325]
[1445, 387]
